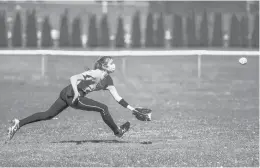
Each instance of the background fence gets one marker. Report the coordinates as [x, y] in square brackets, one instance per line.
[45, 54]
[25, 29]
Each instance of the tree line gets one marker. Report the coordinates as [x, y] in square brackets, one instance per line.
[99, 32]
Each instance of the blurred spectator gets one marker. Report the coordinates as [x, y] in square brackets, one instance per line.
[55, 34]
[17, 31]
[64, 38]
[104, 38]
[47, 34]
[177, 31]
[255, 34]
[234, 32]
[92, 32]
[204, 31]
[3, 30]
[191, 31]
[244, 32]
[120, 39]
[160, 32]
[76, 33]
[31, 30]
[217, 39]
[149, 31]
[136, 31]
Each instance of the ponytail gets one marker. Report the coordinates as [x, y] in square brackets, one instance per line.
[97, 65]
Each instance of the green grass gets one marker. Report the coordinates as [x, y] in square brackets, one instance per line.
[214, 124]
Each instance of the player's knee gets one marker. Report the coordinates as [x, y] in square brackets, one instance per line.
[49, 117]
[104, 109]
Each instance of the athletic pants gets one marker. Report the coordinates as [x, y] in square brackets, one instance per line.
[64, 101]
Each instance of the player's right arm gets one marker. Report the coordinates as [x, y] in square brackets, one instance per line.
[74, 81]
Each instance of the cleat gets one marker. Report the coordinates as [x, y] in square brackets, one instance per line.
[13, 129]
[123, 129]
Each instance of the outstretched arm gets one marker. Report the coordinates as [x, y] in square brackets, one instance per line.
[118, 98]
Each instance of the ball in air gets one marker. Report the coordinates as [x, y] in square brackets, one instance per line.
[243, 60]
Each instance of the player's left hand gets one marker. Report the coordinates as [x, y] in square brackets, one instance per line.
[143, 114]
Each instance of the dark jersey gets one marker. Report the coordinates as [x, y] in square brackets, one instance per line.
[93, 81]
[90, 84]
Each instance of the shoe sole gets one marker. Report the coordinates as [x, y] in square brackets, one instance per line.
[11, 133]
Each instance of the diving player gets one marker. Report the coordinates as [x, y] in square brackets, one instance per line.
[74, 95]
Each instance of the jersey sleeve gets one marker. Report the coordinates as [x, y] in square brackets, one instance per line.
[86, 76]
[109, 82]
[87, 80]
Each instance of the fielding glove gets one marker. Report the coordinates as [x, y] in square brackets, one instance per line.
[142, 114]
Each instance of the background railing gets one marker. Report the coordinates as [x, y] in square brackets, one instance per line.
[124, 54]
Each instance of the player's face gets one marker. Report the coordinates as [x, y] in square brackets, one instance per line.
[110, 67]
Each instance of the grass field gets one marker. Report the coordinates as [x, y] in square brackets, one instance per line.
[212, 124]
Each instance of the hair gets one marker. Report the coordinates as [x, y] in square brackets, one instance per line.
[101, 61]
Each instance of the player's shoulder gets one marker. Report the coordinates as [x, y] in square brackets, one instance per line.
[91, 74]
[108, 77]
[109, 80]
[88, 74]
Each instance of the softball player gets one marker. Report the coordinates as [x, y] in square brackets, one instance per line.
[74, 96]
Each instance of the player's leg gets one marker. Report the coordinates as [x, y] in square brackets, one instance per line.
[87, 104]
[58, 106]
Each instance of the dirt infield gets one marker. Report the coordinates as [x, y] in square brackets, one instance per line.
[216, 124]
